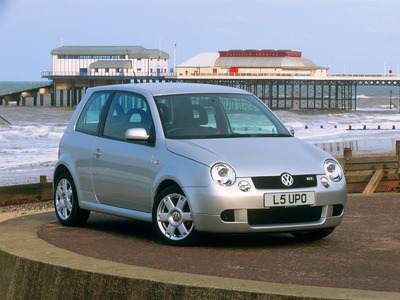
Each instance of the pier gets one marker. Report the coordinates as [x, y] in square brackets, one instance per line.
[282, 79]
[286, 91]
[332, 92]
[282, 91]
[21, 92]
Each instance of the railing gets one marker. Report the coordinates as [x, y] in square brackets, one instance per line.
[363, 75]
[296, 75]
[109, 74]
[181, 75]
[50, 74]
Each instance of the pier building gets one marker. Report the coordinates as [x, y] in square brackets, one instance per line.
[109, 61]
[75, 68]
[250, 62]
[283, 79]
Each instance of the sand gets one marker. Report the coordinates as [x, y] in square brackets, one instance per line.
[14, 211]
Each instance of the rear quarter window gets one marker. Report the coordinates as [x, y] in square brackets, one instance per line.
[91, 116]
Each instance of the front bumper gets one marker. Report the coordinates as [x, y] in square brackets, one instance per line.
[229, 210]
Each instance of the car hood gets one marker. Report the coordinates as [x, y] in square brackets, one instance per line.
[250, 156]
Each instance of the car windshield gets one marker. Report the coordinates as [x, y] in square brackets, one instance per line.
[188, 116]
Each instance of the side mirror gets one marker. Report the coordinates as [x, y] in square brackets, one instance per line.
[290, 128]
[137, 134]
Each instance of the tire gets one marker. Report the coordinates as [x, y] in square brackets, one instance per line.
[172, 218]
[66, 202]
[313, 235]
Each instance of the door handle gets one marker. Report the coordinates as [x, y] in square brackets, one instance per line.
[97, 153]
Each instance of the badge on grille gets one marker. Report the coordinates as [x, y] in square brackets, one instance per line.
[287, 179]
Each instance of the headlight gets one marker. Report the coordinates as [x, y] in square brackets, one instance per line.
[333, 170]
[223, 174]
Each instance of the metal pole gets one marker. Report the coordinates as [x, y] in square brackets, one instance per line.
[315, 94]
[277, 95]
[355, 97]
[285, 94]
[175, 58]
[53, 94]
[300, 94]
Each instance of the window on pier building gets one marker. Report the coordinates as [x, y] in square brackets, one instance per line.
[91, 56]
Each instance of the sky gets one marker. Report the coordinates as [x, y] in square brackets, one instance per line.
[347, 36]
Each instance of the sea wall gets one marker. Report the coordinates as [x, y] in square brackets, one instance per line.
[31, 268]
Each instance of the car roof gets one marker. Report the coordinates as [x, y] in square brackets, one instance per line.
[166, 88]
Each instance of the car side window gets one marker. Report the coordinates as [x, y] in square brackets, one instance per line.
[127, 111]
[90, 118]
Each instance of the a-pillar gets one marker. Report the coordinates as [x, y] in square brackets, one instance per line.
[23, 101]
[41, 99]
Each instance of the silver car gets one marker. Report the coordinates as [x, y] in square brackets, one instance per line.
[193, 158]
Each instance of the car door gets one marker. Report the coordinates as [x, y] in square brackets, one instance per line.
[122, 172]
[80, 144]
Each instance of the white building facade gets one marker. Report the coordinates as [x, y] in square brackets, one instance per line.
[108, 61]
[250, 63]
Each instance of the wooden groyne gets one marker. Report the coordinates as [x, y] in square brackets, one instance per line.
[26, 193]
[364, 174]
[369, 174]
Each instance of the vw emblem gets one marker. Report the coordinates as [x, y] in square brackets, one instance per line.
[287, 179]
[176, 216]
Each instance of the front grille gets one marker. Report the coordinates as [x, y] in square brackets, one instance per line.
[281, 215]
[275, 182]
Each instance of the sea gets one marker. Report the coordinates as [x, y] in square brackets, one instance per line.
[29, 136]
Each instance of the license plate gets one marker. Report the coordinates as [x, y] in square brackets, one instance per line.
[289, 199]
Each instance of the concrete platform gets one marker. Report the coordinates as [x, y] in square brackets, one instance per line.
[114, 257]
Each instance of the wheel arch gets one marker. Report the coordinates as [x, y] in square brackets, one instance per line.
[60, 169]
[165, 184]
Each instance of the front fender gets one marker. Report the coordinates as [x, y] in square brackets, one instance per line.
[184, 172]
